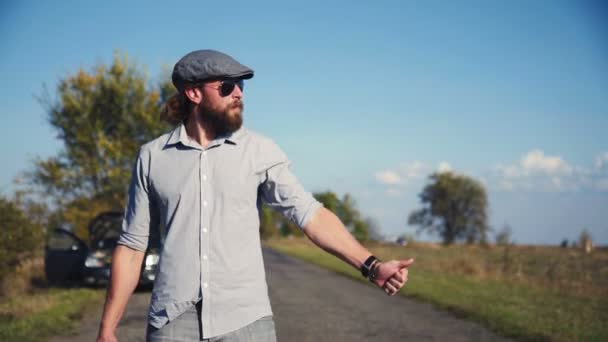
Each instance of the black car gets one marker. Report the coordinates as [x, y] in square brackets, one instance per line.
[69, 259]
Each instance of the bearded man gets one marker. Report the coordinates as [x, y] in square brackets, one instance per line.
[205, 182]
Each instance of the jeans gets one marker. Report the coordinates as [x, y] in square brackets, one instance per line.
[187, 327]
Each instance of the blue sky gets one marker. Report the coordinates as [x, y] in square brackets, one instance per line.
[365, 97]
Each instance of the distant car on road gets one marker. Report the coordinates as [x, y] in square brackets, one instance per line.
[69, 259]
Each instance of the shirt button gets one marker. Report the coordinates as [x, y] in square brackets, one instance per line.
[205, 285]
[205, 203]
[204, 153]
[205, 257]
[204, 230]
[204, 177]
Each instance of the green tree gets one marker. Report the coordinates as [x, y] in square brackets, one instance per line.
[360, 230]
[102, 116]
[350, 216]
[288, 228]
[348, 213]
[271, 222]
[330, 201]
[20, 236]
[454, 206]
[268, 223]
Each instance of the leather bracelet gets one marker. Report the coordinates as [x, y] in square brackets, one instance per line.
[371, 274]
[374, 271]
[366, 267]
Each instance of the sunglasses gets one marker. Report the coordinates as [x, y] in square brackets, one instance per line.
[226, 87]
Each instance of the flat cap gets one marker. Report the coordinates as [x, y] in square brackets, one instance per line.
[201, 65]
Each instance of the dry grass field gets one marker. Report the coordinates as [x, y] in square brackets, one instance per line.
[566, 270]
[525, 292]
[32, 311]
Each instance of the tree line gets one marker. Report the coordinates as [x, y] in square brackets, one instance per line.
[273, 224]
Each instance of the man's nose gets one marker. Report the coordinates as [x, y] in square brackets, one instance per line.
[237, 92]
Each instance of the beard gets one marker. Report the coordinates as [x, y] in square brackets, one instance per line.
[222, 122]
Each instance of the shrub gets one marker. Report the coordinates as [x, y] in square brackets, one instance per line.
[19, 237]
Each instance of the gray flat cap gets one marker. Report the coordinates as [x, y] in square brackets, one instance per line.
[202, 65]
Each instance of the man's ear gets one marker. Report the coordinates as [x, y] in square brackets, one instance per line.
[194, 94]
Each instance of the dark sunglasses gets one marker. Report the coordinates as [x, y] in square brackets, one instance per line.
[226, 87]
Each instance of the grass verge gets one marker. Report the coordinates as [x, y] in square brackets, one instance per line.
[507, 307]
[44, 313]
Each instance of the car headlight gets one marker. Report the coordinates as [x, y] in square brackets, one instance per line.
[93, 261]
[152, 259]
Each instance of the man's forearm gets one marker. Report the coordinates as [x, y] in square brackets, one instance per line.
[126, 267]
[327, 231]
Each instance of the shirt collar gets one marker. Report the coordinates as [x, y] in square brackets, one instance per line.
[236, 136]
[179, 135]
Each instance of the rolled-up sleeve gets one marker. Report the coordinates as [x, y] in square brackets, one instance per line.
[282, 191]
[139, 212]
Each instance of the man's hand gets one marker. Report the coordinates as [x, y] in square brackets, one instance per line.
[392, 275]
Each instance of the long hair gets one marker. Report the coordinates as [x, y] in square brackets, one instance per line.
[176, 109]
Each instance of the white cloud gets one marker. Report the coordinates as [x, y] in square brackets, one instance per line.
[397, 179]
[538, 171]
[403, 175]
[534, 171]
[537, 161]
[416, 169]
[388, 177]
[601, 161]
[444, 167]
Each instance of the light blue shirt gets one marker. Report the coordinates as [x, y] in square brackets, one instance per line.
[208, 200]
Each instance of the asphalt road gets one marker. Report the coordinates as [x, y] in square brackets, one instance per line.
[313, 304]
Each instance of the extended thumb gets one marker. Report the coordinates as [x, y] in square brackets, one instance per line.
[406, 263]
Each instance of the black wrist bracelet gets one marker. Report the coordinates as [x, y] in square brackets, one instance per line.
[366, 267]
[374, 271]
